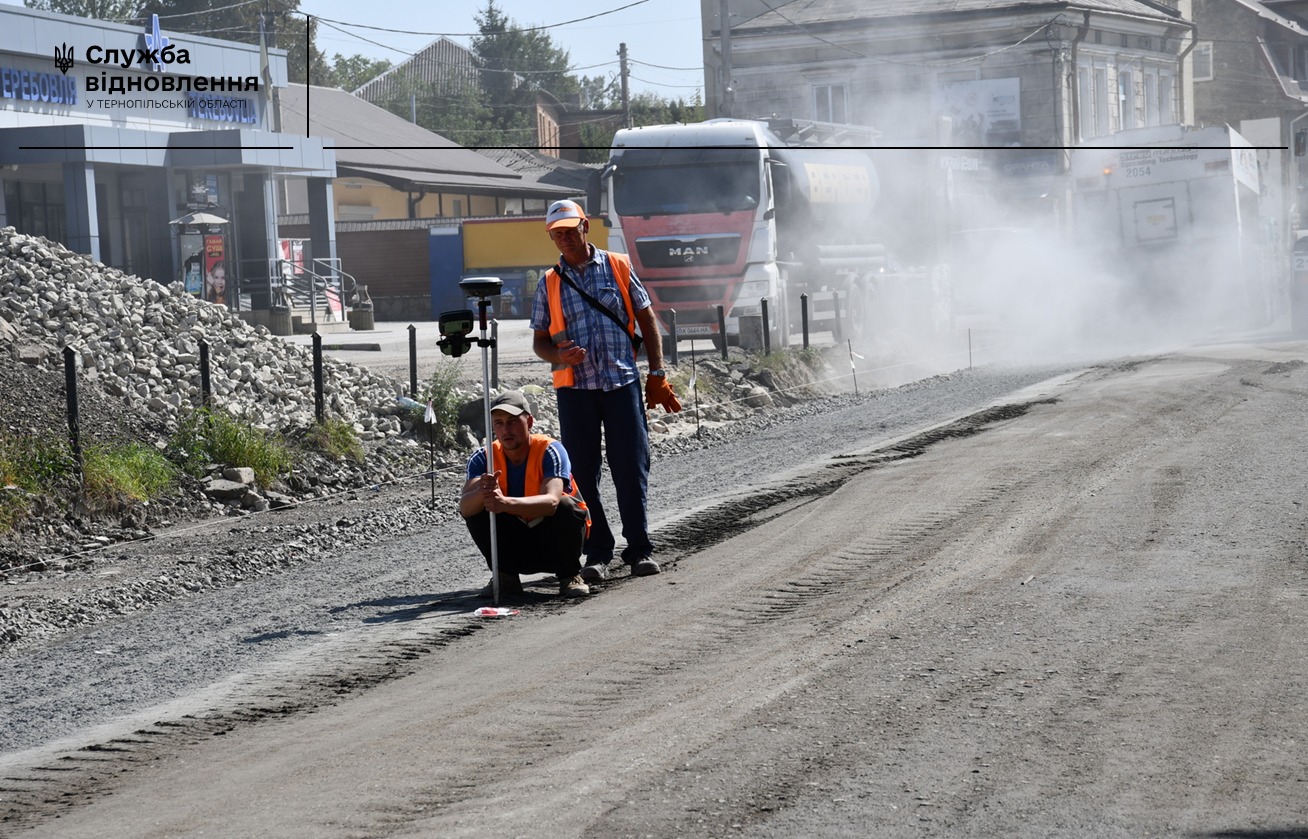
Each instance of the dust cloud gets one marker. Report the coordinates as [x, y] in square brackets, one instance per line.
[1059, 268]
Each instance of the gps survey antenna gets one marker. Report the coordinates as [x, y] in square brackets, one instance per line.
[483, 289]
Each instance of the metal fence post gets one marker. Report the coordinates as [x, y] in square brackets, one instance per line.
[206, 383]
[722, 329]
[74, 417]
[673, 314]
[767, 330]
[413, 361]
[803, 316]
[318, 410]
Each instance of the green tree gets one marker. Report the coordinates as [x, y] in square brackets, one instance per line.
[646, 109]
[514, 64]
[115, 10]
[453, 110]
[353, 72]
[600, 93]
[239, 22]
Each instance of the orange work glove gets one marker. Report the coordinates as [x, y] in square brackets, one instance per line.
[659, 392]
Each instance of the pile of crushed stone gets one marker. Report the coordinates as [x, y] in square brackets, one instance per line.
[136, 344]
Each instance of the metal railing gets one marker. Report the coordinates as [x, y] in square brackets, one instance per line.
[321, 284]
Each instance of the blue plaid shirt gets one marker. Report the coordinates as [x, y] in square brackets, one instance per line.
[610, 361]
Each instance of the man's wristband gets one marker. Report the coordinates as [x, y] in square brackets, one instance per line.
[658, 372]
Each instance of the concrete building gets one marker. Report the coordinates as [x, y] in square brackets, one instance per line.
[110, 135]
[1251, 72]
[1006, 86]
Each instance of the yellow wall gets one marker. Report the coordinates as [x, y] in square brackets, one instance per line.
[515, 243]
[394, 204]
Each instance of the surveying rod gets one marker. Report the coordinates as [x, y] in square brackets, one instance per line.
[484, 288]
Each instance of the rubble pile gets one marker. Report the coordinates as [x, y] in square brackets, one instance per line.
[137, 348]
[136, 345]
[139, 341]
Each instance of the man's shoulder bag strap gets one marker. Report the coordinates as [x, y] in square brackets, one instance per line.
[636, 340]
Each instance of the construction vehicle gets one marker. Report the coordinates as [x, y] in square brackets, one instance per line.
[1175, 212]
[726, 213]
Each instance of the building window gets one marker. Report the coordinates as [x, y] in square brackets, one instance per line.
[36, 209]
[1151, 99]
[1085, 103]
[1102, 126]
[1203, 62]
[1166, 113]
[1125, 100]
[829, 103]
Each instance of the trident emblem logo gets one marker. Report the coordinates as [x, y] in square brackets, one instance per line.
[64, 58]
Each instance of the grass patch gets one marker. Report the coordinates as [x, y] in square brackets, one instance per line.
[29, 465]
[778, 361]
[442, 391]
[336, 439]
[206, 437]
[811, 357]
[34, 463]
[134, 472]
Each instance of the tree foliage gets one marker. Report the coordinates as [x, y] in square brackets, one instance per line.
[113, 10]
[240, 22]
[354, 71]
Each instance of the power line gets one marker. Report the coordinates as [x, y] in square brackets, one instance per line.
[469, 34]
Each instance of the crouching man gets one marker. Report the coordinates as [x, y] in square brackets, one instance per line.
[540, 519]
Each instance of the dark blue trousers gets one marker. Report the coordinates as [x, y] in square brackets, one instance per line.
[595, 423]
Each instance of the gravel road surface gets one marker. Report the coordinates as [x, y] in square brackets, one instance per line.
[1055, 601]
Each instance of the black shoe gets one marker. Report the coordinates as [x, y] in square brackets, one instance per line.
[594, 572]
[644, 568]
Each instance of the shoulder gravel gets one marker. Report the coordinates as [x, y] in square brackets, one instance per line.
[146, 623]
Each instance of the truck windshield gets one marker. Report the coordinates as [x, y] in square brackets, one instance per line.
[681, 189]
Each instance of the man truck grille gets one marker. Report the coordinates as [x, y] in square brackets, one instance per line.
[681, 251]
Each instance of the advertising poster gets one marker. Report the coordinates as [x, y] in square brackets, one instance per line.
[983, 113]
[193, 263]
[215, 269]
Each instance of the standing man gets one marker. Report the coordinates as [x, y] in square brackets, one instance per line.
[584, 317]
[540, 520]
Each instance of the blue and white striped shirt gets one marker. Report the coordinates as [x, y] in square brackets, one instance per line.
[610, 361]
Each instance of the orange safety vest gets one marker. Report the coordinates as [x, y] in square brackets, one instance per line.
[562, 373]
[535, 471]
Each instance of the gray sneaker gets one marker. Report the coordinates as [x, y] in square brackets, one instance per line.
[574, 587]
[644, 568]
[595, 573]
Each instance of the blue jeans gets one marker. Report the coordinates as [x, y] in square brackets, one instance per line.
[620, 415]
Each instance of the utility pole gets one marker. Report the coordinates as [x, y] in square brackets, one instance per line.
[270, 42]
[622, 72]
[724, 36]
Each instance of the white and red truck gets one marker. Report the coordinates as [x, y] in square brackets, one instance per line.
[727, 213]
